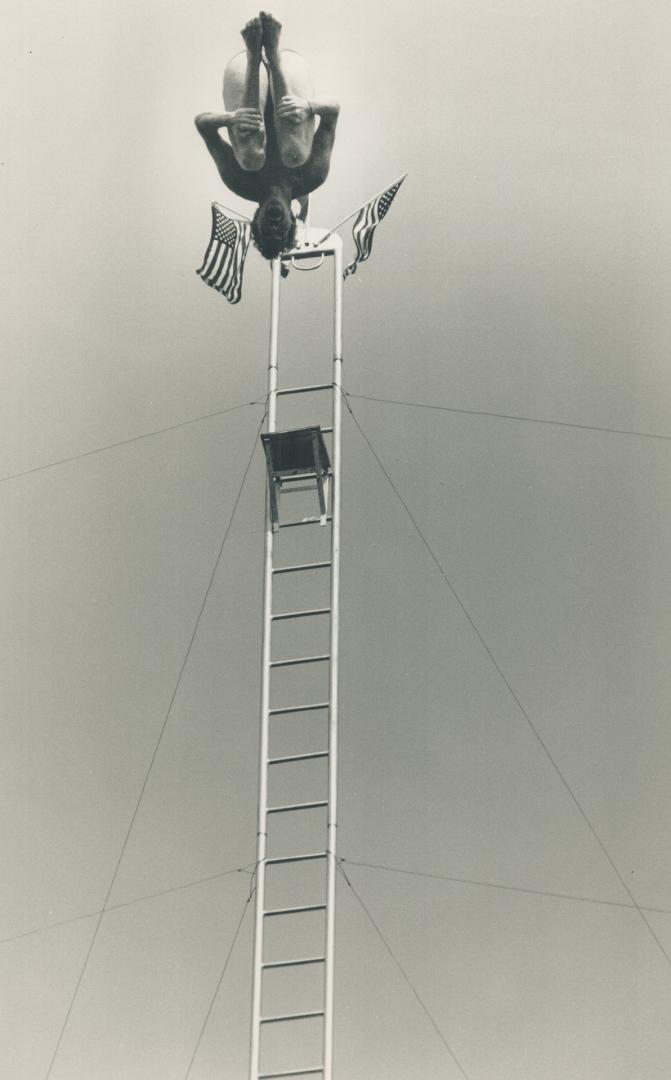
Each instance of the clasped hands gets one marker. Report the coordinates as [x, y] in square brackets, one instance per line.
[294, 109]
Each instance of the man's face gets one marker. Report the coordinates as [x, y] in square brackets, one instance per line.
[275, 219]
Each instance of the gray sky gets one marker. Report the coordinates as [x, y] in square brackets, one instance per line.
[522, 271]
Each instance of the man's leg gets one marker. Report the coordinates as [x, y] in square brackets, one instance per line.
[252, 35]
[271, 30]
[289, 76]
[246, 87]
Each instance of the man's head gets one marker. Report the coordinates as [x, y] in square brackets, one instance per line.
[274, 226]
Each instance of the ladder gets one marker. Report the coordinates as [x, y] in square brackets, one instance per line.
[326, 482]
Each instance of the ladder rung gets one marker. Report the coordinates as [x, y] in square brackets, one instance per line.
[295, 858]
[295, 490]
[290, 477]
[301, 614]
[285, 709]
[292, 1072]
[306, 389]
[291, 1016]
[304, 521]
[295, 963]
[294, 910]
[301, 566]
[298, 757]
[296, 806]
[299, 660]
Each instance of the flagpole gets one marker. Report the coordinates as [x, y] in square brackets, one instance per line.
[365, 203]
[239, 216]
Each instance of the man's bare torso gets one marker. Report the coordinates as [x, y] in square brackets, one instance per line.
[255, 185]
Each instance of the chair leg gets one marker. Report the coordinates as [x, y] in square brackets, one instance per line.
[274, 504]
[319, 473]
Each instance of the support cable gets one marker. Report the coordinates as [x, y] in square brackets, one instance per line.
[133, 439]
[509, 416]
[405, 976]
[352, 862]
[217, 988]
[154, 755]
[524, 713]
[130, 903]
[506, 888]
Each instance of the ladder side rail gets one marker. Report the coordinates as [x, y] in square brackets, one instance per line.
[261, 838]
[258, 1020]
[332, 811]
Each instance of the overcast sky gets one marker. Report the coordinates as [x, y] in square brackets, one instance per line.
[513, 743]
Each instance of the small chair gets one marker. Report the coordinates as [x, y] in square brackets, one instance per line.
[292, 456]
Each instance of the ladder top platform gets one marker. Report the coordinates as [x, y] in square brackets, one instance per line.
[312, 241]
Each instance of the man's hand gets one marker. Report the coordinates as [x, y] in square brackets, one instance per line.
[294, 109]
[246, 122]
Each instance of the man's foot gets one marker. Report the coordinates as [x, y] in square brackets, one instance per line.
[271, 32]
[252, 35]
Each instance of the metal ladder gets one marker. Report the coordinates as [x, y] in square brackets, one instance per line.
[271, 714]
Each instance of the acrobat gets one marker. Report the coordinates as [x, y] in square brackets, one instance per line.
[275, 154]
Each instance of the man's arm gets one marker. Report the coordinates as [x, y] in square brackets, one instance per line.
[209, 126]
[247, 126]
[327, 110]
[316, 168]
[298, 110]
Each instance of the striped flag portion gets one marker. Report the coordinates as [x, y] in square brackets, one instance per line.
[368, 219]
[224, 259]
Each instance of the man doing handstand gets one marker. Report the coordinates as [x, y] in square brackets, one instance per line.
[275, 155]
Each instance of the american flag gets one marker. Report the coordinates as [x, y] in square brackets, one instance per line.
[368, 219]
[224, 259]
